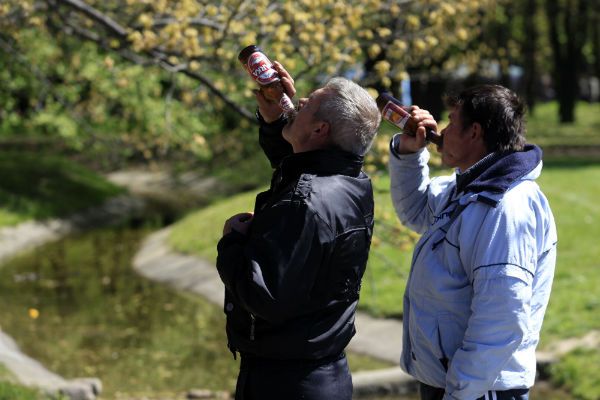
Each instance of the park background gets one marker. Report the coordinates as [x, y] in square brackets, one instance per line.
[92, 89]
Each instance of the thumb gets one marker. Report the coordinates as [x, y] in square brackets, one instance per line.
[421, 136]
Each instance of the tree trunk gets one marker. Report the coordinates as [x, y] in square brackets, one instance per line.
[567, 54]
[428, 94]
[529, 47]
[596, 42]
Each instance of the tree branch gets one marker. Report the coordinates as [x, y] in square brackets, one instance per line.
[160, 57]
[96, 15]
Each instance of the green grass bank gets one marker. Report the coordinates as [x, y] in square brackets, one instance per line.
[572, 185]
[37, 186]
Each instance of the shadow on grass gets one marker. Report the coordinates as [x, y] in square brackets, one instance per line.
[42, 186]
[568, 162]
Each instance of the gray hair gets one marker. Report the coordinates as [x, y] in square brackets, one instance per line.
[352, 115]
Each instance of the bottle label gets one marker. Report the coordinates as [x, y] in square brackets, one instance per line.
[286, 104]
[395, 114]
[261, 69]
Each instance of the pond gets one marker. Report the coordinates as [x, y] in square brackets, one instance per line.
[78, 306]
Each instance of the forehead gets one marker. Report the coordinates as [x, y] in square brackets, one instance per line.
[317, 95]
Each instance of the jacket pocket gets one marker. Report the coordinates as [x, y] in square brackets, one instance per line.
[350, 254]
[451, 334]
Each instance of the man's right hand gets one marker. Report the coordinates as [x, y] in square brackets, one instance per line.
[412, 144]
[270, 110]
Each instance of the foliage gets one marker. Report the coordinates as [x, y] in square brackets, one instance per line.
[35, 186]
[60, 63]
[82, 98]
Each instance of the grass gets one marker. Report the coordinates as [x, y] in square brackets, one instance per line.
[578, 372]
[572, 185]
[200, 231]
[39, 186]
[10, 390]
[544, 129]
[572, 192]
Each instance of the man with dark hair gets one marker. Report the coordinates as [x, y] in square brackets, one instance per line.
[292, 269]
[482, 271]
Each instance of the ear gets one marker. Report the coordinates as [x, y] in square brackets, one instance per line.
[321, 130]
[476, 131]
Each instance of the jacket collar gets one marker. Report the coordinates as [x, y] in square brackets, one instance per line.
[321, 162]
[496, 172]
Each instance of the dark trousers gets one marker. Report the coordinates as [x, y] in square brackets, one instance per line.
[432, 393]
[264, 379]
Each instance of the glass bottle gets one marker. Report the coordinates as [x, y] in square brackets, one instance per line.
[393, 112]
[261, 70]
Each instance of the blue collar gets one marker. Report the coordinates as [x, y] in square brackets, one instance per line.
[496, 172]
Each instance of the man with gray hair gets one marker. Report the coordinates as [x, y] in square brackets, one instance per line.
[292, 269]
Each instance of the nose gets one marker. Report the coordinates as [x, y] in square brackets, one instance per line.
[302, 102]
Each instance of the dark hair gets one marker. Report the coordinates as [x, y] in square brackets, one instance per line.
[499, 111]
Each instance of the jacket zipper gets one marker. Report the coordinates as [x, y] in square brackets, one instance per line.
[252, 325]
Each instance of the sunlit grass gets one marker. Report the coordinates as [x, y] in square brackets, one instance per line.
[543, 126]
[573, 190]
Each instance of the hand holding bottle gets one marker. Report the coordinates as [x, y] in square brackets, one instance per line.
[269, 109]
[424, 122]
[414, 122]
[270, 80]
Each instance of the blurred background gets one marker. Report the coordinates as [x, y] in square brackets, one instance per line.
[146, 100]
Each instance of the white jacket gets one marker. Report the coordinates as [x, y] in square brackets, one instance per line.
[481, 273]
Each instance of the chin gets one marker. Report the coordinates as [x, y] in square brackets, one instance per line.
[285, 134]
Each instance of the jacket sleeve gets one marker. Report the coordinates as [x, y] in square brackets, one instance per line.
[498, 250]
[271, 140]
[272, 271]
[409, 186]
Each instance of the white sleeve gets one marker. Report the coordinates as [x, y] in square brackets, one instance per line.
[409, 183]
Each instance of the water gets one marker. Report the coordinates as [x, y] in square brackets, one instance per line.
[78, 307]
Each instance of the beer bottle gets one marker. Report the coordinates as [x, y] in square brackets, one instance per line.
[261, 70]
[393, 112]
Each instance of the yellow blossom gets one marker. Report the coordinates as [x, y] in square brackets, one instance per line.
[386, 82]
[372, 92]
[382, 68]
[412, 22]
[34, 313]
[109, 62]
[384, 32]
[374, 50]
[462, 34]
[145, 20]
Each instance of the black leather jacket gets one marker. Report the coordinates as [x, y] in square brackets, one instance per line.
[292, 284]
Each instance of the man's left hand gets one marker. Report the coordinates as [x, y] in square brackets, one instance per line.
[239, 223]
